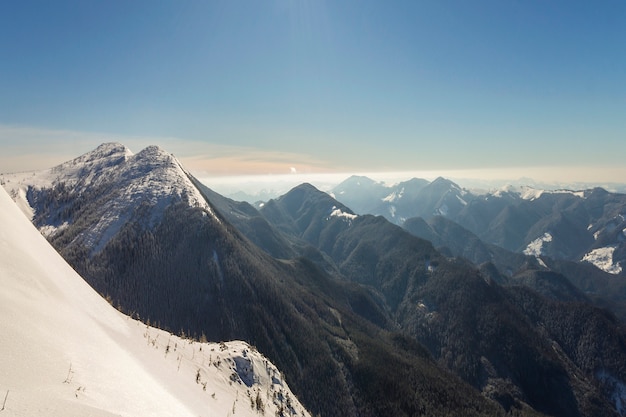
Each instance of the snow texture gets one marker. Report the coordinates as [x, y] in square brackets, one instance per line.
[530, 193]
[152, 177]
[337, 212]
[66, 352]
[535, 248]
[602, 258]
[394, 196]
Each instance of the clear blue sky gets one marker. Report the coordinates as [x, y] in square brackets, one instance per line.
[262, 86]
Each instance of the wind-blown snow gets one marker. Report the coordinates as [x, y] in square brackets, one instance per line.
[602, 258]
[66, 352]
[535, 248]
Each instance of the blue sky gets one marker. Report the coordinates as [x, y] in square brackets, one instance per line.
[256, 87]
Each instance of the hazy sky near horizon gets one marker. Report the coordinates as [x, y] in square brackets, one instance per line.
[280, 86]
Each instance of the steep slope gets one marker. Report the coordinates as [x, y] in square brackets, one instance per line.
[249, 222]
[175, 261]
[461, 316]
[124, 188]
[67, 352]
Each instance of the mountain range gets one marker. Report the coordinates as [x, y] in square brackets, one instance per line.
[580, 226]
[364, 317]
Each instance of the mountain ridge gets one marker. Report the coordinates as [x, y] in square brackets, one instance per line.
[193, 272]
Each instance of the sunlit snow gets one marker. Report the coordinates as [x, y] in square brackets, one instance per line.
[394, 196]
[529, 193]
[602, 258]
[337, 212]
[151, 176]
[535, 248]
[66, 352]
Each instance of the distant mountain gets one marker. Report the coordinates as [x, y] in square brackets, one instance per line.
[249, 222]
[67, 352]
[580, 226]
[361, 193]
[415, 197]
[576, 226]
[462, 316]
[144, 235]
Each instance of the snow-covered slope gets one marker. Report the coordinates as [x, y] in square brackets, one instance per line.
[122, 180]
[602, 258]
[65, 351]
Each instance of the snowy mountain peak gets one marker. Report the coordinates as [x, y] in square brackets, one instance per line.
[154, 152]
[121, 182]
[109, 148]
[111, 151]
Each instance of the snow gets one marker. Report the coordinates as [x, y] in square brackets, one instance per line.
[541, 262]
[602, 258]
[394, 196]
[152, 176]
[530, 193]
[535, 248]
[392, 211]
[442, 210]
[66, 352]
[337, 212]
